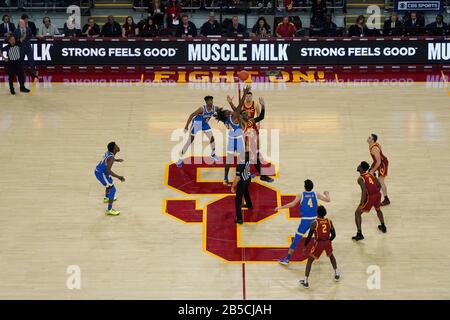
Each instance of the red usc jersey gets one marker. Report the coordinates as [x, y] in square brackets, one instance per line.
[373, 198]
[377, 145]
[251, 109]
[371, 185]
[251, 112]
[323, 228]
[383, 168]
[322, 240]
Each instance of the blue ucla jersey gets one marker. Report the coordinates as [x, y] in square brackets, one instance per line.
[235, 130]
[205, 115]
[101, 167]
[308, 208]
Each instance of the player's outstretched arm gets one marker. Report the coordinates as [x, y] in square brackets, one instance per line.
[109, 163]
[297, 199]
[261, 115]
[192, 115]
[246, 90]
[230, 102]
[324, 197]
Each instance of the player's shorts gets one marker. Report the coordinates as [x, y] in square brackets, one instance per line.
[200, 126]
[373, 200]
[319, 247]
[304, 226]
[105, 179]
[383, 169]
[235, 144]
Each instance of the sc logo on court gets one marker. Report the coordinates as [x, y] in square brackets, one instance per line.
[221, 236]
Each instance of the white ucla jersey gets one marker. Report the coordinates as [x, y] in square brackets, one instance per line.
[206, 115]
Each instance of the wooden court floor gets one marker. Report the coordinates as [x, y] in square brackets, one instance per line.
[52, 215]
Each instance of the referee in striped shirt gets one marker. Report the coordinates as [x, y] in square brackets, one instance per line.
[240, 186]
[14, 61]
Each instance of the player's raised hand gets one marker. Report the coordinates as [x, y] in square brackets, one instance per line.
[119, 160]
[247, 89]
[122, 178]
[261, 101]
[326, 193]
[229, 99]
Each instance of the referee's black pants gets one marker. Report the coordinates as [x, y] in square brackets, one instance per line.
[242, 191]
[15, 68]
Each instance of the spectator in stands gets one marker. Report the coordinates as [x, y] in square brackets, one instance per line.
[318, 10]
[236, 29]
[149, 28]
[414, 24]
[210, 27]
[47, 29]
[186, 28]
[328, 27]
[23, 36]
[392, 26]
[157, 11]
[285, 28]
[72, 27]
[359, 29]
[437, 28]
[290, 4]
[173, 14]
[29, 24]
[129, 28]
[91, 29]
[7, 26]
[261, 29]
[111, 28]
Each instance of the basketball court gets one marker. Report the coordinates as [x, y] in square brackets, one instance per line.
[53, 215]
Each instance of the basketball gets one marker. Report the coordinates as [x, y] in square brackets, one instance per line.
[243, 75]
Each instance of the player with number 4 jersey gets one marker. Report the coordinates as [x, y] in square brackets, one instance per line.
[370, 197]
[308, 212]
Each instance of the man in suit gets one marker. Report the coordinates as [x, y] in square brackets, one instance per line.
[414, 25]
[392, 26]
[29, 24]
[437, 28]
[7, 26]
[23, 34]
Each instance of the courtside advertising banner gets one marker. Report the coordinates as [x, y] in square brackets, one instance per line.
[271, 52]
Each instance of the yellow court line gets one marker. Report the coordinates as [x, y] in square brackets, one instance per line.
[33, 87]
[444, 78]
